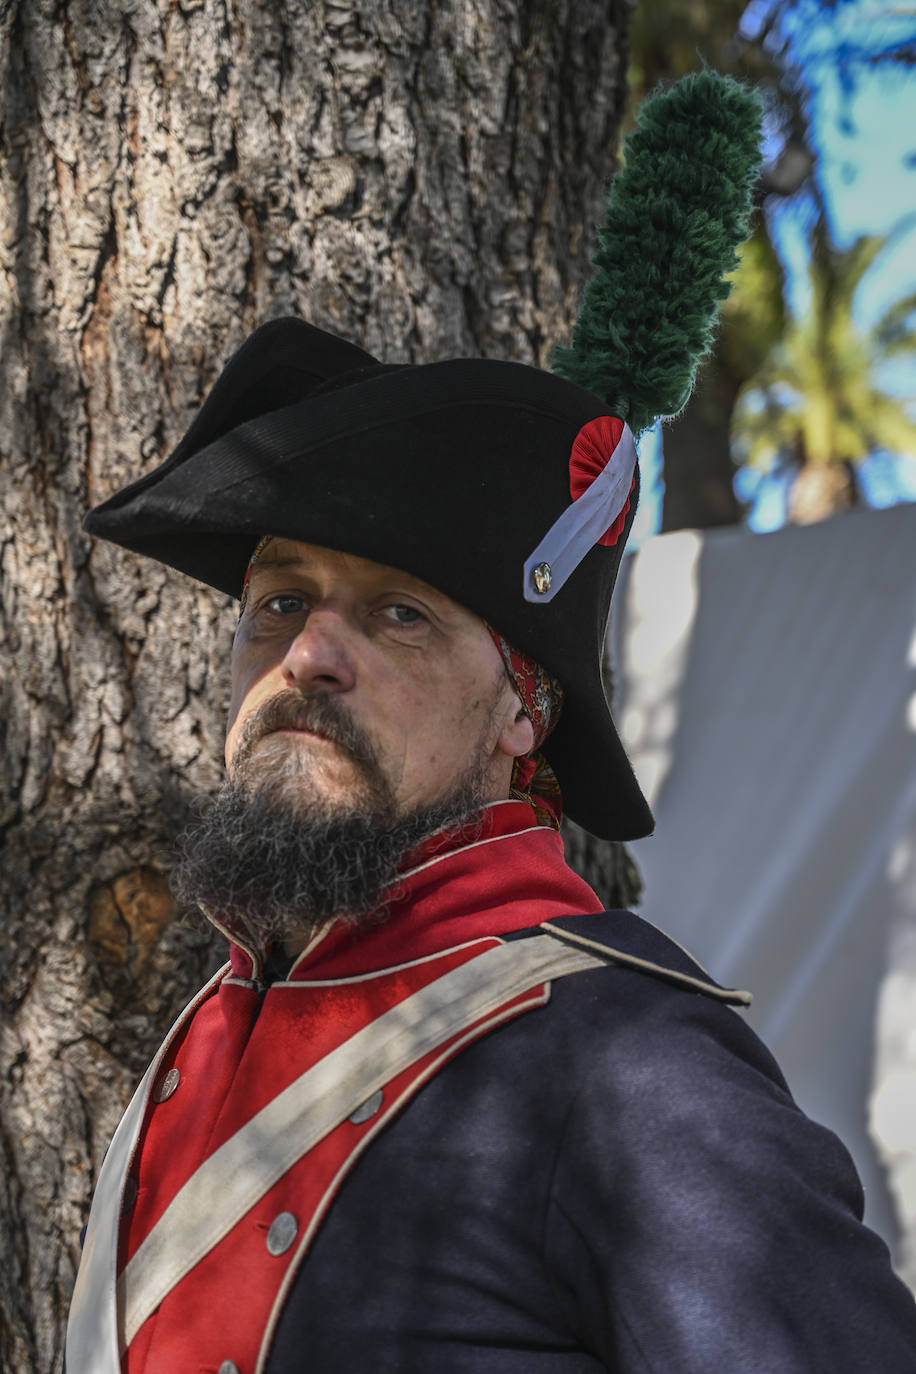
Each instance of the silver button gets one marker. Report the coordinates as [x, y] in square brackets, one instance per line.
[228, 1367]
[542, 577]
[282, 1233]
[367, 1108]
[167, 1086]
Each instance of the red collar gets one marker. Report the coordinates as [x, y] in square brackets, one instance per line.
[502, 875]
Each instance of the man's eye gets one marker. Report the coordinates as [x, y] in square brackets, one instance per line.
[404, 615]
[285, 604]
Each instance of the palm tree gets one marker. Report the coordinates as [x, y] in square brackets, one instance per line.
[819, 404]
[759, 43]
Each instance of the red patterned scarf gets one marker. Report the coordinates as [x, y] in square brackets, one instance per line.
[533, 779]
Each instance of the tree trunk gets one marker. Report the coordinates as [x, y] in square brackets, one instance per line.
[820, 490]
[698, 466]
[420, 178]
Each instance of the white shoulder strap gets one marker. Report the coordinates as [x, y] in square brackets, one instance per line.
[229, 1183]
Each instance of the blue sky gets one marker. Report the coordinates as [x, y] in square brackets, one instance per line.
[863, 118]
[863, 122]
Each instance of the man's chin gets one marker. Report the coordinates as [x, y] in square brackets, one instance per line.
[307, 773]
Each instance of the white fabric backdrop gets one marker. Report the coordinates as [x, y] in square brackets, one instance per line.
[765, 692]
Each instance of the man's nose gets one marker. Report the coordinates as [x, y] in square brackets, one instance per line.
[320, 655]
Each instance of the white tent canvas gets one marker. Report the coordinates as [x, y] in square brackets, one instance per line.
[766, 692]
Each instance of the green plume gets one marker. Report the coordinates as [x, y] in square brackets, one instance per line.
[675, 215]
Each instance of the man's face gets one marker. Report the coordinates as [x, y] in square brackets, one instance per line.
[415, 677]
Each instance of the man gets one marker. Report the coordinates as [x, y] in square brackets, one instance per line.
[440, 1112]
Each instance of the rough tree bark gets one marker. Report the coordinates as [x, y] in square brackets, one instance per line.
[699, 469]
[418, 176]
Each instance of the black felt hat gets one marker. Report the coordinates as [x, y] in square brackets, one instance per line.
[451, 471]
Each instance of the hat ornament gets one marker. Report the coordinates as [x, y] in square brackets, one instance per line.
[674, 219]
[597, 513]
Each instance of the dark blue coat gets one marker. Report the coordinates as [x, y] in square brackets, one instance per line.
[618, 1181]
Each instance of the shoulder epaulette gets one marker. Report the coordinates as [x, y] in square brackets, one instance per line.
[624, 938]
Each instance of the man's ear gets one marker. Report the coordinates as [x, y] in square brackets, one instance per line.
[517, 735]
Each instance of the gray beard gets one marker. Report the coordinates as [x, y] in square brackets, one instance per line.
[271, 860]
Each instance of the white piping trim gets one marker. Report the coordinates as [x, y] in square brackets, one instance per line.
[476, 844]
[672, 975]
[230, 1181]
[314, 941]
[257, 960]
[380, 972]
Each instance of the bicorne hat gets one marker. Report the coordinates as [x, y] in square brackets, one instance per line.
[508, 488]
[452, 471]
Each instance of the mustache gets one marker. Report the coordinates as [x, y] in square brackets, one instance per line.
[322, 714]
